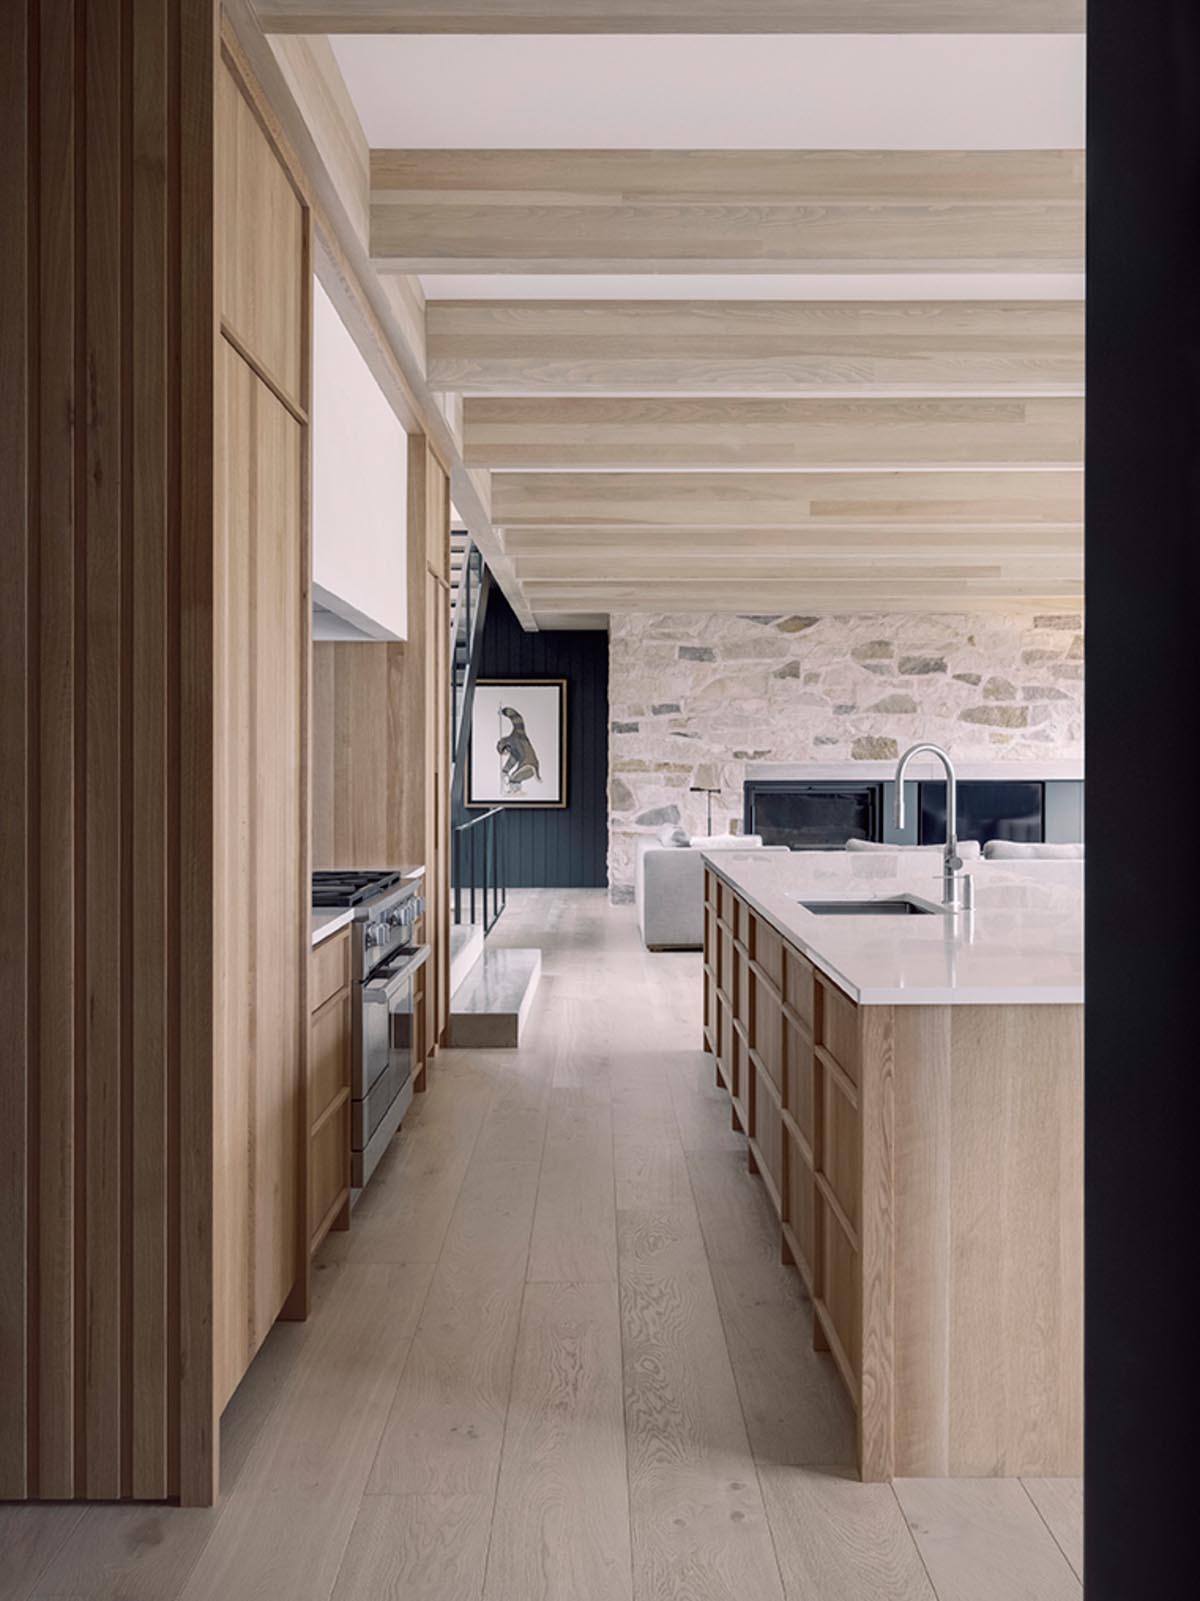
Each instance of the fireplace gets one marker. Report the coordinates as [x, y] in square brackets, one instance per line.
[807, 816]
[812, 817]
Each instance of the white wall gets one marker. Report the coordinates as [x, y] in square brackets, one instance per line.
[359, 486]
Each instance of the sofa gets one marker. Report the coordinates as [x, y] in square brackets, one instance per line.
[669, 888]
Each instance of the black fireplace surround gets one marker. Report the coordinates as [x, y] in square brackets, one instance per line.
[807, 815]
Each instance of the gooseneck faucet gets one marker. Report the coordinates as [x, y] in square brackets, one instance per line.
[957, 891]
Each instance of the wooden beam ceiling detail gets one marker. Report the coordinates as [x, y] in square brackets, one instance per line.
[792, 348]
[785, 499]
[727, 210]
[666, 432]
[671, 16]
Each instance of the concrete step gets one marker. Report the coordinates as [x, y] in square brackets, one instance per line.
[489, 1009]
[466, 947]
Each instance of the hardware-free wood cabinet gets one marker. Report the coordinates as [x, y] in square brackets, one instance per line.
[925, 1163]
[330, 1041]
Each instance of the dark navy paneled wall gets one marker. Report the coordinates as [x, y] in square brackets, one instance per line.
[565, 847]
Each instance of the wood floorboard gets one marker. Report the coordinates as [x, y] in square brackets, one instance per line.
[839, 1540]
[417, 1548]
[575, 1225]
[1060, 1502]
[30, 1537]
[556, 1358]
[984, 1540]
[699, 1527]
[561, 1523]
[446, 1425]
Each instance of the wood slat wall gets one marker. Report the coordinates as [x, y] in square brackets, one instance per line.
[105, 475]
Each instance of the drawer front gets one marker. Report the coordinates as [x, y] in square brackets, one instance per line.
[799, 985]
[329, 1054]
[329, 970]
[725, 1046]
[768, 952]
[839, 1288]
[801, 1207]
[741, 990]
[840, 1148]
[766, 1031]
[768, 1131]
[799, 1096]
[711, 935]
[740, 1086]
[328, 1166]
[838, 1031]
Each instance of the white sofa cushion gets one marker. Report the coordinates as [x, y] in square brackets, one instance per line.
[669, 890]
[1016, 850]
[968, 849]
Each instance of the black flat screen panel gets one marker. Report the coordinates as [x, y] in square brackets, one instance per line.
[1004, 809]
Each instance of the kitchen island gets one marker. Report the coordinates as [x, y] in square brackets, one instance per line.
[911, 1087]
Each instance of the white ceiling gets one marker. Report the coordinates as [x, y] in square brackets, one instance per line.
[754, 286]
[698, 92]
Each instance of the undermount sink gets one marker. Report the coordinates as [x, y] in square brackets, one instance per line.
[898, 906]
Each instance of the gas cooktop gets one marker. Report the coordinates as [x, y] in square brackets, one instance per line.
[340, 887]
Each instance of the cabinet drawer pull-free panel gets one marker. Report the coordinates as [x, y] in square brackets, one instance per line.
[329, 1054]
[329, 1169]
[330, 970]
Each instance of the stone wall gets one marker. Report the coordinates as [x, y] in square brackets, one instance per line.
[691, 690]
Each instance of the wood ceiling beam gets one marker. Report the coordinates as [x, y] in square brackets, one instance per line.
[671, 16]
[727, 210]
[784, 499]
[667, 432]
[764, 596]
[794, 348]
[603, 548]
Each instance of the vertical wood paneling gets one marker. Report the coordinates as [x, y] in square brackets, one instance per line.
[106, 346]
[567, 846]
[147, 653]
[57, 796]
[104, 929]
[193, 717]
[16, 842]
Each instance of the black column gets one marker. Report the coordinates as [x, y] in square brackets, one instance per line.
[1143, 726]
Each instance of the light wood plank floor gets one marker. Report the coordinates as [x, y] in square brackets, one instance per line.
[557, 1359]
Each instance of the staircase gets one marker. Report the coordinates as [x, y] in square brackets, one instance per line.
[491, 989]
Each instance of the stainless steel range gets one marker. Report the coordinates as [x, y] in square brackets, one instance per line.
[386, 955]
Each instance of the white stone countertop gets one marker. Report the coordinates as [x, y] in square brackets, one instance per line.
[1022, 945]
[924, 766]
[327, 921]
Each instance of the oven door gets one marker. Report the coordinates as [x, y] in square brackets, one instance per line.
[387, 1029]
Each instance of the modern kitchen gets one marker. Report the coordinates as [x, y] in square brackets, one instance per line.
[546, 814]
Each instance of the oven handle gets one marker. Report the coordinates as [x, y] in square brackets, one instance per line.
[381, 991]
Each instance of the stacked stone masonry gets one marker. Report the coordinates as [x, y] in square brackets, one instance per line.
[689, 692]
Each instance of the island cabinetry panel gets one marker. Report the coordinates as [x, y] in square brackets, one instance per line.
[330, 1039]
[926, 1166]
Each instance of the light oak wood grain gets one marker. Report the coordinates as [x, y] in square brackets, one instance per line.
[561, 1522]
[1060, 1502]
[726, 210]
[30, 1537]
[980, 1537]
[790, 349]
[578, 431]
[319, 90]
[446, 1425]
[574, 1227]
[672, 16]
[417, 1548]
[784, 500]
[841, 1540]
[698, 1523]
[286, 1530]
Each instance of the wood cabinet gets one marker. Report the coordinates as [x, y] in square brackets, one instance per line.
[329, 1088]
[926, 1166]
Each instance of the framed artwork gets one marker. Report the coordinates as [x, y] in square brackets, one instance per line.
[518, 743]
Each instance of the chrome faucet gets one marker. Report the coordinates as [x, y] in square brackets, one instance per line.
[957, 888]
